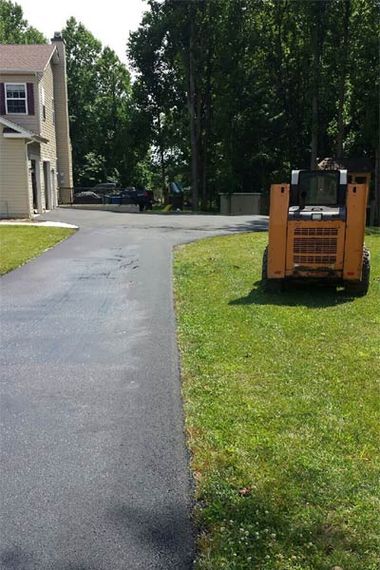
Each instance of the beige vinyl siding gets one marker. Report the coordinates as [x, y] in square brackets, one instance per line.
[29, 122]
[53, 158]
[48, 150]
[62, 120]
[14, 194]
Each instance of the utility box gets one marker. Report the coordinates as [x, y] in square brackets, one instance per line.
[240, 203]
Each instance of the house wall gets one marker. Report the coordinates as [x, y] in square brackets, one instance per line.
[53, 159]
[29, 122]
[65, 175]
[48, 151]
[14, 195]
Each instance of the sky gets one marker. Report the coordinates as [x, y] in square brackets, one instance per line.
[110, 21]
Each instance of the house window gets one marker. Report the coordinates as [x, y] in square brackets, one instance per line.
[15, 97]
[43, 103]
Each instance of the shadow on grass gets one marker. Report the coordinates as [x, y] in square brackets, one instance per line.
[258, 533]
[295, 295]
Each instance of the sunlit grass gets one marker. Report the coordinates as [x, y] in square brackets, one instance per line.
[282, 413]
[18, 244]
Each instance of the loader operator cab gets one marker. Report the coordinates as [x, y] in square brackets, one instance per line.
[318, 195]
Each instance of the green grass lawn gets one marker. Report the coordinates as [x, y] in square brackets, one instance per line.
[282, 413]
[19, 244]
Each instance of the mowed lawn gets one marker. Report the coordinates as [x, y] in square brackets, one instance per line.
[281, 399]
[18, 244]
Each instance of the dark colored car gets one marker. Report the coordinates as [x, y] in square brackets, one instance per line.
[87, 197]
[106, 187]
[142, 197]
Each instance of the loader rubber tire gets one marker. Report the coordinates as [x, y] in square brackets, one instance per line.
[360, 288]
[264, 270]
[269, 285]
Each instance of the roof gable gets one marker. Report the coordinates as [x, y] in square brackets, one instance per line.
[24, 58]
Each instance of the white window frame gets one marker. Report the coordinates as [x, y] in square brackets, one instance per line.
[43, 105]
[13, 99]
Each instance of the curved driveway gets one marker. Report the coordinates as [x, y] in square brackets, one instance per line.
[94, 468]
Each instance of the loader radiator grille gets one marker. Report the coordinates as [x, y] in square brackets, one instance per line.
[316, 232]
[314, 259]
[315, 246]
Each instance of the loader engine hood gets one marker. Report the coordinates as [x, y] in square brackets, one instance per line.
[317, 213]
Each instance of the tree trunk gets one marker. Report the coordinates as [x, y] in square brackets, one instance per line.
[162, 160]
[198, 135]
[207, 103]
[342, 80]
[317, 42]
[191, 97]
[314, 130]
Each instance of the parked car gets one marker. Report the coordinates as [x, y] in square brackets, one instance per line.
[106, 188]
[142, 197]
[87, 197]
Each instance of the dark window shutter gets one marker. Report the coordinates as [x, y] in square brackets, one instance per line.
[30, 91]
[2, 99]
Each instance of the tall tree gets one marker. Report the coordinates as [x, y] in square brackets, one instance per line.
[99, 106]
[14, 29]
[263, 85]
[317, 12]
[82, 53]
[342, 83]
[158, 93]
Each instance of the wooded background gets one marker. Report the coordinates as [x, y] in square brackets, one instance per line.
[227, 95]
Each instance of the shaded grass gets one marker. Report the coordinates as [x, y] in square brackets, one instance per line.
[282, 413]
[19, 244]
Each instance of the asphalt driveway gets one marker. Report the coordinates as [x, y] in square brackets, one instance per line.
[94, 468]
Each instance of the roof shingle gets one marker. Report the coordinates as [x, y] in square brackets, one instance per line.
[25, 57]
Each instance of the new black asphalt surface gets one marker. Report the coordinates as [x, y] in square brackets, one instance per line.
[94, 467]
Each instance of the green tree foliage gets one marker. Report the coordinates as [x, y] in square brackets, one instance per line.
[158, 93]
[100, 108]
[228, 95]
[239, 92]
[82, 53]
[102, 113]
[14, 29]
